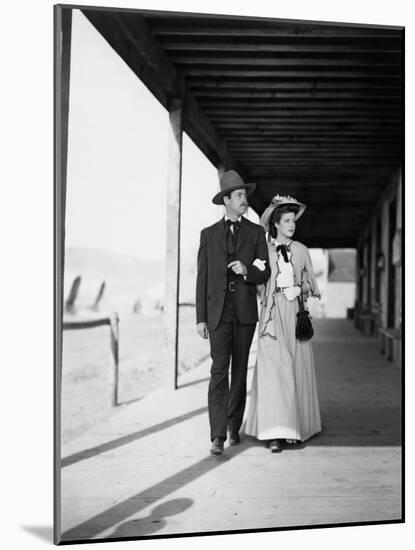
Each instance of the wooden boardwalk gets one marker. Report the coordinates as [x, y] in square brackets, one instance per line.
[146, 470]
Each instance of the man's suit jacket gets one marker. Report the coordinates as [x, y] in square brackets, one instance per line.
[212, 272]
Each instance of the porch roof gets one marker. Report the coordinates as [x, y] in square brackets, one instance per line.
[309, 109]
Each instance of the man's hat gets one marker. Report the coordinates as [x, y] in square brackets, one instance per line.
[276, 202]
[230, 181]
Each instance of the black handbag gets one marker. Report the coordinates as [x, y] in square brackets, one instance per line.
[303, 328]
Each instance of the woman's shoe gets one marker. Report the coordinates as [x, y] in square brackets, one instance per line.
[274, 446]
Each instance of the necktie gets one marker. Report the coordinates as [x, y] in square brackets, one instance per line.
[283, 248]
[232, 236]
[235, 225]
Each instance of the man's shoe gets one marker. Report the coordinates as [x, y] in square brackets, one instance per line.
[274, 446]
[217, 446]
[234, 438]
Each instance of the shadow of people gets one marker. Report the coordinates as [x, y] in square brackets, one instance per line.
[153, 522]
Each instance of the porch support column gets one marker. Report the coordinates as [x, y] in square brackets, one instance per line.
[174, 184]
[374, 248]
[384, 276]
[398, 268]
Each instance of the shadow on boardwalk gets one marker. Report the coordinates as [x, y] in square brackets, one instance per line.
[158, 448]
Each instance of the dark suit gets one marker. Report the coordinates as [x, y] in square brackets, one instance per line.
[230, 316]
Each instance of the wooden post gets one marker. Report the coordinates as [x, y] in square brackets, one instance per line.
[114, 330]
[358, 304]
[62, 58]
[366, 275]
[373, 249]
[398, 268]
[384, 276]
[174, 184]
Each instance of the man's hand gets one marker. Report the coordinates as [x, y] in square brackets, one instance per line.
[238, 267]
[202, 330]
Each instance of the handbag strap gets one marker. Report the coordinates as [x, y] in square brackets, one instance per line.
[300, 296]
[301, 301]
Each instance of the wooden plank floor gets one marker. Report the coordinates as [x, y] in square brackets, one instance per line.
[146, 470]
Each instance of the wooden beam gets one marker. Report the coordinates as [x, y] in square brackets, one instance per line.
[306, 156]
[297, 79]
[288, 119]
[314, 87]
[336, 45]
[172, 277]
[329, 145]
[204, 134]
[324, 179]
[252, 110]
[346, 58]
[309, 94]
[136, 46]
[223, 28]
[327, 105]
[316, 133]
[317, 141]
[268, 125]
[315, 164]
[287, 66]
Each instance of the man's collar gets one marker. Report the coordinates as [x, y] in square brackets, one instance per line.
[228, 218]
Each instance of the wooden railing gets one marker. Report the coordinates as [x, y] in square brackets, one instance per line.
[74, 322]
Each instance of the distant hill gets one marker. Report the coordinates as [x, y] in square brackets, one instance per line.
[126, 278]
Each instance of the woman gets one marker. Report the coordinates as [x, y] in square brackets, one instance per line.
[284, 400]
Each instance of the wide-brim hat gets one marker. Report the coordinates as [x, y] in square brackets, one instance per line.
[230, 181]
[276, 202]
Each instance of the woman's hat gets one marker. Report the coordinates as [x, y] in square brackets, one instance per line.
[276, 202]
[230, 181]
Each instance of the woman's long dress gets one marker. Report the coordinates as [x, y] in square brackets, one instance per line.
[284, 402]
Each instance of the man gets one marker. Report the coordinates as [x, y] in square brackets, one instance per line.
[232, 260]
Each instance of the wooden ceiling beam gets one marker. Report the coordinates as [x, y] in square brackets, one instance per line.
[291, 45]
[323, 120]
[286, 103]
[358, 86]
[275, 94]
[303, 124]
[195, 27]
[300, 113]
[377, 74]
[314, 152]
[347, 59]
[282, 133]
[327, 147]
[334, 161]
[314, 142]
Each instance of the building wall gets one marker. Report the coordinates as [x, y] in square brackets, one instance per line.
[367, 257]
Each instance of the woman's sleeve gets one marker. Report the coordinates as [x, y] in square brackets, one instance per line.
[310, 278]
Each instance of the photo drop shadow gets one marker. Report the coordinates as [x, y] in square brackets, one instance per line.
[43, 532]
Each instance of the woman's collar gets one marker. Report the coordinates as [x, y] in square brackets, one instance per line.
[276, 242]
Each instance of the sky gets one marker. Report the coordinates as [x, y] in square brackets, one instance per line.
[117, 159]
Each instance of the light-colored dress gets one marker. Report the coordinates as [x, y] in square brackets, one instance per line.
[283, 403]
